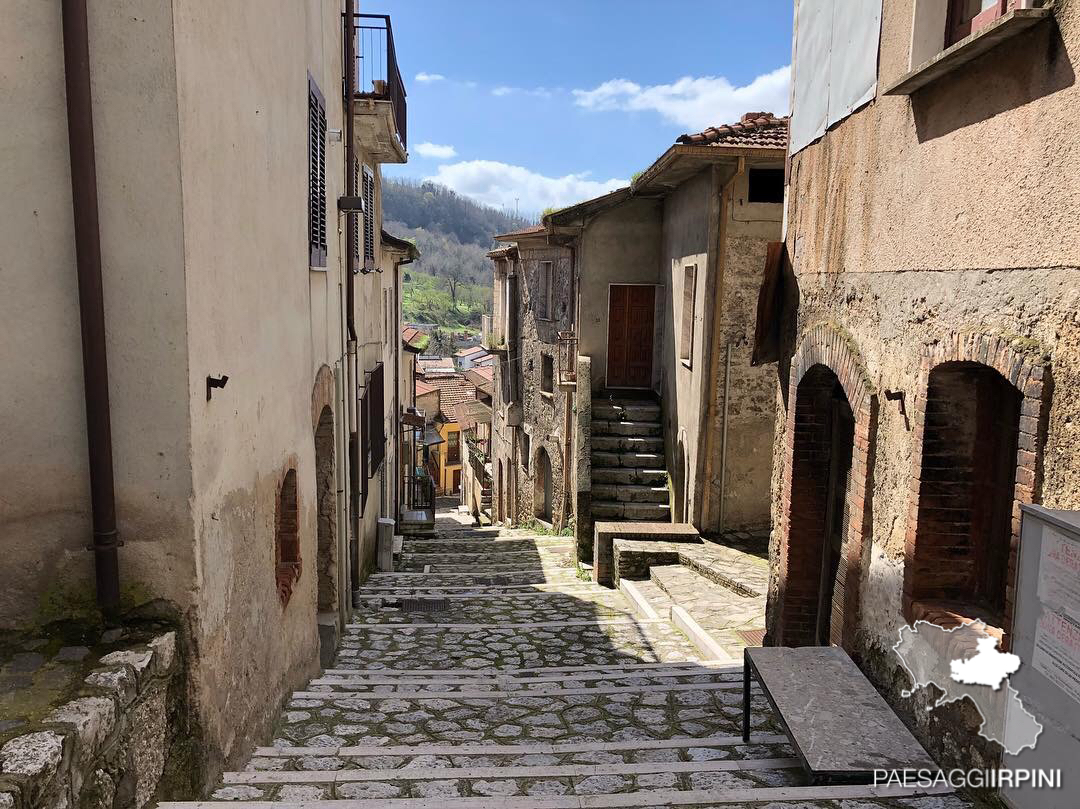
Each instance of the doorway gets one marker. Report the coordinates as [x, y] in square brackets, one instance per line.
[630, 335]
[544, 493]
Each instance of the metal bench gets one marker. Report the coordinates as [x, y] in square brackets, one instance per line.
[841, 728]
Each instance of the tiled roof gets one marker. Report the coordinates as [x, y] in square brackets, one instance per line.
[423, 388]
[453, 390]
[435, 363]
[760, 130]
[483, 376]
[531, 230]
[413, 337]
[469, 414]
[464, 352]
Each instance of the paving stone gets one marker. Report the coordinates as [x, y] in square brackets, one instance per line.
[368, 789]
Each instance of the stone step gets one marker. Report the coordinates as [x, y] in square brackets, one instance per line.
[629, 493]
[629, 476]
[633, 460]
[626, 411]
[344, 680]
[628, 443]
[601, 427]
[608, 510]
[649, 600]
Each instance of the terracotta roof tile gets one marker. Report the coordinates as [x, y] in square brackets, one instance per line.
[453, 390]
[761, 130]
[423, 388]
[531, 230]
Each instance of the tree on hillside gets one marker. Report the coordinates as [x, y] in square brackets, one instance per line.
[453, 274]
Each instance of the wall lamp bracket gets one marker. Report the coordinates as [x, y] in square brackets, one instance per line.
[215, 382]
[350, 204]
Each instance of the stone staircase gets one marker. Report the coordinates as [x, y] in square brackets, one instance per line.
[629, 480]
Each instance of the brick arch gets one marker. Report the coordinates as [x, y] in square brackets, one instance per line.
[322, 394]
[826, 346]
[1024, 372]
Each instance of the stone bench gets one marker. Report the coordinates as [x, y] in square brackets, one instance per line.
[604, 534]
[844, 730]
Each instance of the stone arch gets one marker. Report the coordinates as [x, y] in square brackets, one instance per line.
[826, 347]
[977, 359]
[287, 562]
[322, 394]
[326, 512]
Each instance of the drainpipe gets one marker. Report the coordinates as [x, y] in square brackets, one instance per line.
[350, 293]
[568, 402]
[84, 203]
[710, 410]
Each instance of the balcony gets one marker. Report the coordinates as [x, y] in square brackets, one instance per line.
[567, 370]
[379, 108]
[418, 510]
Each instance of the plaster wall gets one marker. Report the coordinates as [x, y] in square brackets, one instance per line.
[44, 508]
[920, 220]
[619, 246]
[257, 313]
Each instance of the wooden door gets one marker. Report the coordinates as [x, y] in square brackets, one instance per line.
[630, 336]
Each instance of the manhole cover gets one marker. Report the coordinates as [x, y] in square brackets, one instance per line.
[425, 605]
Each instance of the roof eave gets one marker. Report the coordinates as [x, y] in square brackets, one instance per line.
[675, 165]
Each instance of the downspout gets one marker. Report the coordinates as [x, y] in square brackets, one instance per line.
[350, 294]
[84, 204]
[568, 402]
[718, 301]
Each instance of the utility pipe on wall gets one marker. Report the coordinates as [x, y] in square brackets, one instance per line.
[84, 204]
[351, 238]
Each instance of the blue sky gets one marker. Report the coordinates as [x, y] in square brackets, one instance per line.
[555, 102]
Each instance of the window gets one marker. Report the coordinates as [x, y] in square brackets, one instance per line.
[686, 330]
[316, 175]
[453, 447]
[965, 17]
[525, 449]
[765, 185]
[543, 291]
[287, 562]
[368, 192]
[547, 374]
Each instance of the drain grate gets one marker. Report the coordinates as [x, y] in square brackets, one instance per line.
[425, 605]
[752, 637]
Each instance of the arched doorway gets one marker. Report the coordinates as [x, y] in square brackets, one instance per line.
[819, 512]
[967, 484]
[326, 517]
[543, 486]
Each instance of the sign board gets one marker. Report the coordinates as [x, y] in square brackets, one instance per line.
[1046, 636]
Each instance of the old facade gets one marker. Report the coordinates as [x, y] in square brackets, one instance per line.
[247, 332]
[533, 408]
[930, 359]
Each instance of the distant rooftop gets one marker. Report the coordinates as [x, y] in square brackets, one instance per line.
[761, 130]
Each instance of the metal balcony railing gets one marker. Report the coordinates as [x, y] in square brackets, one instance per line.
[568, 343]
[419, 492]
[377, 73]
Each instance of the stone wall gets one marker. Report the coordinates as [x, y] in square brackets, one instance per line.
[120, 742]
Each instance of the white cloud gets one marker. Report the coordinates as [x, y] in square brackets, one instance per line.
[504, 185]
[502, 90]
[435, 150]
[695, 103]
[536, 92]
[429, 77]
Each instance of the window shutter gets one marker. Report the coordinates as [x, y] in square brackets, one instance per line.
[355, 243]
[316, 175]
[365, 448]
[369, 218]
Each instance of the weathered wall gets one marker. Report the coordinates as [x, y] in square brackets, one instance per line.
[243, 145]
[689, 222]
[923, 220]
[620, 246]
[744, 475]
[543, 414]
[44, 510]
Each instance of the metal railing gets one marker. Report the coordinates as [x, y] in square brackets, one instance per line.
[568, 343]
[419, 492]
[377, 73]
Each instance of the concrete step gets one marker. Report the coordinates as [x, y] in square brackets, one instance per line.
[615, 427]
[628, 443]
[629, 494]
[628, 411]
[628, 476]
[607, 510]
[636, 460]
[649, 600]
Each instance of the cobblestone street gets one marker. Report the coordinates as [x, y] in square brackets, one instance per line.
[522, 685]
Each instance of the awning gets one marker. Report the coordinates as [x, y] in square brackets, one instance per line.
[432, 437]
[768, 331]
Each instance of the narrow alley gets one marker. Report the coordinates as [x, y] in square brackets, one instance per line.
[488, 673]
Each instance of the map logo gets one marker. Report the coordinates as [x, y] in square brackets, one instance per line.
[965, 662]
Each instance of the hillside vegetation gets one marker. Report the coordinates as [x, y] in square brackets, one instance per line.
[451, 283]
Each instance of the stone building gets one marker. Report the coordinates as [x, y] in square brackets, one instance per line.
[673, 422]
[926, 329]
[242, 318]
[532, 411]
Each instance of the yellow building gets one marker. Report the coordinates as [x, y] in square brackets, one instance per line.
[446, 452]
